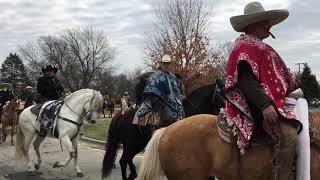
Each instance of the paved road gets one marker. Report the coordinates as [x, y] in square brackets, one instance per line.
[90, 160]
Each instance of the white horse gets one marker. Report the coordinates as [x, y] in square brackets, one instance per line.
[84, 103]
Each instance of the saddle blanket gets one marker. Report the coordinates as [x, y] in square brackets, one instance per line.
[150, 118]
[48, 115]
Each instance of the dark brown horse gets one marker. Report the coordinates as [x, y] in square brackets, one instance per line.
[9, 117]
[134, 138]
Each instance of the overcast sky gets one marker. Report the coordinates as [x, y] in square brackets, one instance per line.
[126, 22]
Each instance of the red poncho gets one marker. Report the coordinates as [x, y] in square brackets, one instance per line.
[272, 74]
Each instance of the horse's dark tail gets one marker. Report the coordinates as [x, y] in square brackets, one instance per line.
[111, 147]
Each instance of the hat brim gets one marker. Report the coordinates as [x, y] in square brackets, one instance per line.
[239, 23]
[55, 70]
[149, 73]
[165, 61]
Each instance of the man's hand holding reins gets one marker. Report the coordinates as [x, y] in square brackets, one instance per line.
[270, 114]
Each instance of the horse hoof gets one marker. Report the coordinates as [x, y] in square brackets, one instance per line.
[36, 166]
[31, 173]
[56, 165]
[12, 144]
[132, 176]
[80, 174]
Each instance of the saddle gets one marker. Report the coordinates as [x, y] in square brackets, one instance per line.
[36, 109]
[225, 132]
[48, 116]
[151, 118]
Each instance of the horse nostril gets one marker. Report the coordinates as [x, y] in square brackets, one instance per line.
[93, 121]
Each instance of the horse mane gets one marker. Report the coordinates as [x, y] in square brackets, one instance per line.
[70, 96]
[201, 89]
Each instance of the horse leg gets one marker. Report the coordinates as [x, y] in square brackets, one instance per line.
[4, 132]
[110, 112]
[123, 163]
[133, 173]
[66, 141]
[13, 127]
[76, 166]
[28, 138]
[36, 145]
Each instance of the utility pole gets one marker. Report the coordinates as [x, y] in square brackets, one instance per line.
[298, 64]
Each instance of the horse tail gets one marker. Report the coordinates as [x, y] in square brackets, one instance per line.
[19, 145]
[111, 148]
[150, 167]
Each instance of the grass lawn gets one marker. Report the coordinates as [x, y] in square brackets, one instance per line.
[97, 131]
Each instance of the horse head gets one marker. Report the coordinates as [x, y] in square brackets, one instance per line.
[16, 104]
[94, 107]
[204, 100]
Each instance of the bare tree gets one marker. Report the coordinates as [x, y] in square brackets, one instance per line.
[181, 33]
[225, 51]
[79, 55]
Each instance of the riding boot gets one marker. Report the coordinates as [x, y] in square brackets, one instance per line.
[287, 151]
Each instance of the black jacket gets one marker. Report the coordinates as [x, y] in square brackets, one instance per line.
[50, 87]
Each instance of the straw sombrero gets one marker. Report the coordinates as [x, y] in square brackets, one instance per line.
[254, 12]
[166, 59]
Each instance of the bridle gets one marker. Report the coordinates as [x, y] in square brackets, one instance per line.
[80, 116]
[215, 93]
[90, 110]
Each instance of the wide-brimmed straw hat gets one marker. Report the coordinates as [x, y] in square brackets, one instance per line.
[49, 67]
[254, 12]
[166, 59]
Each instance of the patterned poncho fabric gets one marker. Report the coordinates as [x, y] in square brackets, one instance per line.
[166, 86]
[272, 74]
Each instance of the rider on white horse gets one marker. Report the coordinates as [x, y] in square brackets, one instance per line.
[80, 105]
[49, 88]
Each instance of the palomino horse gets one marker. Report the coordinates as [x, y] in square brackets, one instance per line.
[192, 149]
[84, 103]
[9, 117]
[134, 138]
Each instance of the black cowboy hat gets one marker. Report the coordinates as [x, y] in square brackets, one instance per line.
[49, 67]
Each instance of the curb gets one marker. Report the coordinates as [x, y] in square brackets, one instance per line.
[96, 143]
[100, 144]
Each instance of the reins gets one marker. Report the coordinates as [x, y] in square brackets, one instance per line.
[80, 116]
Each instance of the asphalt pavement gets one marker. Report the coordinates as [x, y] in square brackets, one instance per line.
[90, 160]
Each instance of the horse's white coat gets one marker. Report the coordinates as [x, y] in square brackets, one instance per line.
[75, 108]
